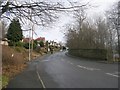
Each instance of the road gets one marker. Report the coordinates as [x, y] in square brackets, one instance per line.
[61, 71]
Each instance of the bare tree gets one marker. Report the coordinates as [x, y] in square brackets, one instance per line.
[72, 38]
[80, 16]
[41, 12]
[113, 17]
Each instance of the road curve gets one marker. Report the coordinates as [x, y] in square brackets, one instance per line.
[60, 71]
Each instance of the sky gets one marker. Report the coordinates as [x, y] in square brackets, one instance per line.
[56, 30]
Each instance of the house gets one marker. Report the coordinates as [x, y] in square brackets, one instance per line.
[4, 41]
[26, 40]
[40, 39]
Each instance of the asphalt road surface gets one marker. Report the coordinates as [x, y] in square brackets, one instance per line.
[61, 71]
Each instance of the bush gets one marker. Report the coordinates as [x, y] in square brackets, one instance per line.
[18, 49]
[10, 43]
[35, 41]
[8, 59]
[5, 80]
[34, 45]
[19, 44]
[26, 45]
[41, 43]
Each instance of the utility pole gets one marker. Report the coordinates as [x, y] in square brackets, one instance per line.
[32, 40]
[29, 45]
[30, 16]
[118, 28]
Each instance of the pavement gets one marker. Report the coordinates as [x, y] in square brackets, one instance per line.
[61, 71]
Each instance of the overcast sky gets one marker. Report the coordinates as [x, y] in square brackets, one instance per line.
[56, 31]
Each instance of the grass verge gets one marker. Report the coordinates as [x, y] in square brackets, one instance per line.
[5, 81]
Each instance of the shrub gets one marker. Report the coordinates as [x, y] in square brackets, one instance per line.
[4, 81]
[8, 59]
[19, 44]
[41, 43]
[26, 45]
[10, 43]
[35, 41]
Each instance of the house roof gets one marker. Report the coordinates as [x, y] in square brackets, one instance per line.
[27, 39]
[40, 39]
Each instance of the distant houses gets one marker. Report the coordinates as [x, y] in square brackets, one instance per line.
[26, 40]
[4, 41]
[40, 39]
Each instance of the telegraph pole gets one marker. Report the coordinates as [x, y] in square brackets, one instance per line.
[32, 41]
[30, 16]
[29, 45]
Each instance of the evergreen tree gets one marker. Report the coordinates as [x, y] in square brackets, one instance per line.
[14, 33]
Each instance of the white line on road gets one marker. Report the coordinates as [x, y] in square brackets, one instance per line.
[87, 68]
[43, 85]
[45, 61]
[112, 74]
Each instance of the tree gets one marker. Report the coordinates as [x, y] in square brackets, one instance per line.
[88, 40]
[14, 33]
[36, 11]
[113, 18]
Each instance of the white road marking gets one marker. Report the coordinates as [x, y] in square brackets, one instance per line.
[41, 81]
[87, 68]
[45, 61]
[112, 74]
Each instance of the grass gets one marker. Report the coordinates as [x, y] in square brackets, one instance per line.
[0, 81]
[5, 81]
[14, 61]
[11, 65]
